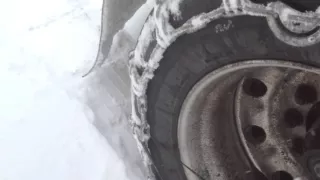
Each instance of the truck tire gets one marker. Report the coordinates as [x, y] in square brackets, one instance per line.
[189, 59]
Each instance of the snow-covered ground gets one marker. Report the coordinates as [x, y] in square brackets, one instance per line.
[54, 124]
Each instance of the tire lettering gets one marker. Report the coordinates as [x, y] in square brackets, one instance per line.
[224, 27]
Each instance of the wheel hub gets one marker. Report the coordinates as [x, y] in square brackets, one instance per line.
[250, 120]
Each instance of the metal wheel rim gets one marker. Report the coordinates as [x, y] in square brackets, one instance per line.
[195, 145]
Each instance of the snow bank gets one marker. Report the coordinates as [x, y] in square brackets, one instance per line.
[46, 129]
[108, 96]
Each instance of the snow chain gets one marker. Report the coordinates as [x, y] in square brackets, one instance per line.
[158, 34]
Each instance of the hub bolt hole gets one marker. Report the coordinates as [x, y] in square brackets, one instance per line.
[254, 87]
[305, 94]
[255, 134]
[293, 118]
[281, 175]
[255, 175]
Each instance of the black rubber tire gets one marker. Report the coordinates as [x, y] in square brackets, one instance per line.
[193, 56]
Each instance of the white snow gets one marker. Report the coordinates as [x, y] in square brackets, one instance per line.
[226, 5]
[234, 4]
[285, 12]
[196, 21]
[109, 98]
[174, 7]
[47, 131]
